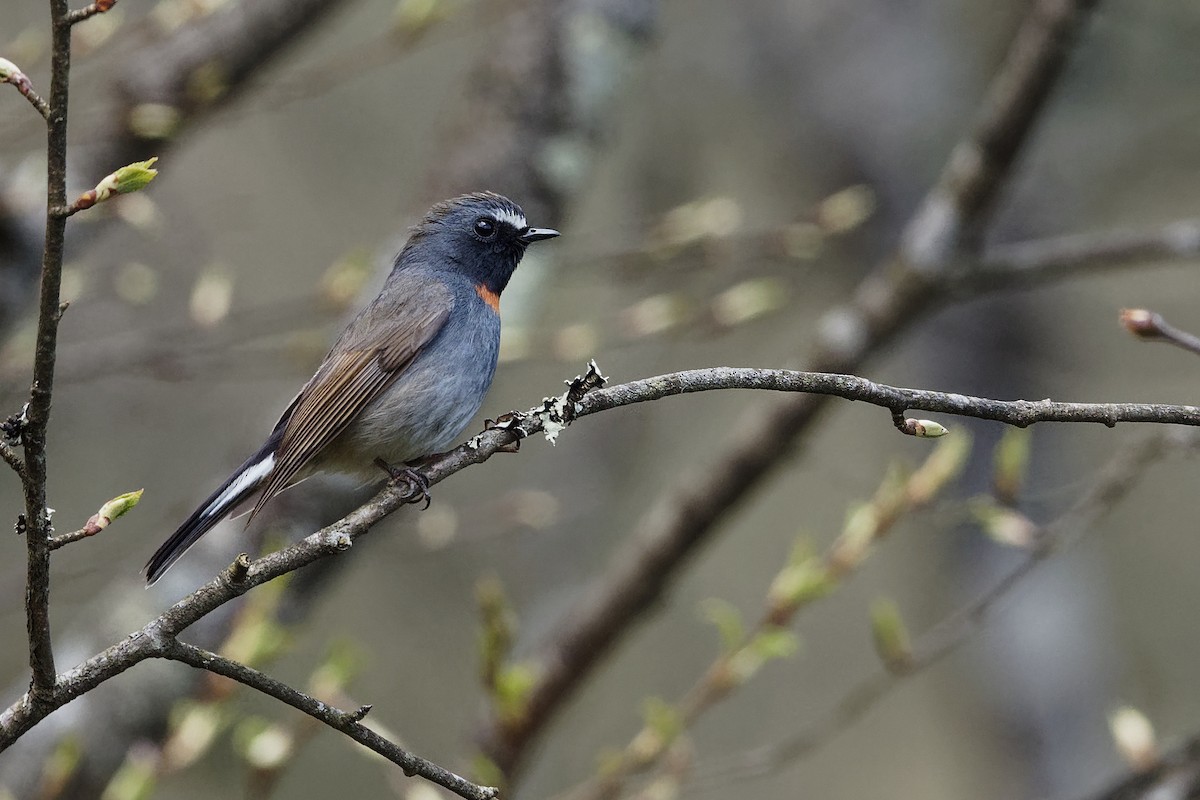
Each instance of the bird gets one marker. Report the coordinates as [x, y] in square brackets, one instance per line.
[405, 376]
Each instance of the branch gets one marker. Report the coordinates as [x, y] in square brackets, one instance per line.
[89, 11]
[1034, 263]
[896, 294]
[805, 579]
[1175, 777]
[1152, 327]
[33, 434]
[347, 722]
[1118, 478]
[1021, 413]
[12, 459]
[11, 73]
[580, 400]
[241, 35]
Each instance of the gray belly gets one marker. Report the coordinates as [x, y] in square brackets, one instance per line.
[425, 410]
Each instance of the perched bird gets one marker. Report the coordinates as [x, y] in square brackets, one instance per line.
[406, 375]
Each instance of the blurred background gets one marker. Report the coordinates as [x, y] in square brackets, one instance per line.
[722, 174]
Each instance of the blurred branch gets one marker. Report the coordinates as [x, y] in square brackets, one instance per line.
[347, 722]
[895, 295]
[1028, 264]
[803, 580]
[162, 82]
[536, 107]
[1116, 481]
[1175, 777]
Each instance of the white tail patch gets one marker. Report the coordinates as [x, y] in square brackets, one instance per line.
[249, 478]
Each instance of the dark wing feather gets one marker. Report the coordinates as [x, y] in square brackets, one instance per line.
[372, 353]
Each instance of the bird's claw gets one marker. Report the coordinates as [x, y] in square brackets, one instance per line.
[415, 483]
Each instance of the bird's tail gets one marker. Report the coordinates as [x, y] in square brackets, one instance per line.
[244, 482]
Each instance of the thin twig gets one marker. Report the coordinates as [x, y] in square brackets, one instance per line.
[37, 585]
[1117, 479]
[347, 722]
[1150, 325]
[64, 539]
[12, 459]
[899, 292]
[89, 11]
[25, 86]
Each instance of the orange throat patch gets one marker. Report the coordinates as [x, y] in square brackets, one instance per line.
[489, 297]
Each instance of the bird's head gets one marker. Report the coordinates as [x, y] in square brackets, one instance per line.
[481, 235]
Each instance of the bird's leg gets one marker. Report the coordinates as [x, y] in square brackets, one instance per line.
[416, 484]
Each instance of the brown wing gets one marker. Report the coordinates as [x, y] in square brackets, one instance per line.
[372, 353]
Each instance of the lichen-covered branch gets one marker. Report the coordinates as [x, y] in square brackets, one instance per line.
[583, 398]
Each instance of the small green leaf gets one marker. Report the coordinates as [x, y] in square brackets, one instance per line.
[1004, 525]
[511, 693]
[728, 622]
[943, 465]
[662, 718]
[118, 506]
[486, 772]
[1010, 462]
[800, 583]
[135, 176]
[767, 645]
[134, 779]
[892, 641]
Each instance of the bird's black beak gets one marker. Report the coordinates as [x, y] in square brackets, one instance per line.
[530, 235]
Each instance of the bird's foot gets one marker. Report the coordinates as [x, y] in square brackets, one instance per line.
[416, 485]
[507, 421]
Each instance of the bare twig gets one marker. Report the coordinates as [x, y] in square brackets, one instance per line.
[348, 722]
[12, 74]
[98, 7]
[64, 539]
[12, 459]
[1149, 325]
[1116, 480]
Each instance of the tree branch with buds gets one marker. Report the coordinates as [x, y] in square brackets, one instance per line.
[585, 395]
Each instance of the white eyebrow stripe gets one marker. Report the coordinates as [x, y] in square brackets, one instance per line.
[511, 217]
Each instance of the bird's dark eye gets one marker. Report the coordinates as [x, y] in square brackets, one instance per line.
[485, 228]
